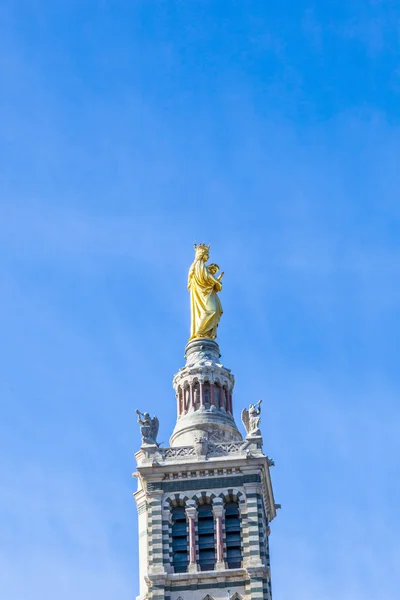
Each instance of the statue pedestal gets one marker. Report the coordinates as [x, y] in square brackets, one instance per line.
[149, 449]
[202, 352]
[253, 438]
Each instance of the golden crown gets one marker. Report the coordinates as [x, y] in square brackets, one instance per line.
[203, 247]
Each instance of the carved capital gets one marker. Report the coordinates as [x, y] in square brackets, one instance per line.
[191, 512]
[218, 511]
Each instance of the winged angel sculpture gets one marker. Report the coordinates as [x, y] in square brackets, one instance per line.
[251, 419]
[149, 427]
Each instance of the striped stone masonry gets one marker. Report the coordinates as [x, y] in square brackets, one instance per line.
[205, 503]
[248, 487]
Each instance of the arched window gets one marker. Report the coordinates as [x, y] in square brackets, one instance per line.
[207, 394]
[232, 535]
[217, 394]
[180, 558]
[206, 537]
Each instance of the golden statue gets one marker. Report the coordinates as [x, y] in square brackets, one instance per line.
[206, 309]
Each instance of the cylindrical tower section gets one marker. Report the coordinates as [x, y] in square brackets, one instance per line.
[209, 387]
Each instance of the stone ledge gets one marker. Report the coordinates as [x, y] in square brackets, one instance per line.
[220, 575]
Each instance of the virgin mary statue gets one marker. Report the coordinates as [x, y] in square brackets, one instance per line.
[206, 309]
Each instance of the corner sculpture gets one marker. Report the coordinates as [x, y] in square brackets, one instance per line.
[251, 419]
[205, 305]
[149, 428]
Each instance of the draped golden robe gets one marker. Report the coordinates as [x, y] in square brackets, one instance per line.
[206, 309]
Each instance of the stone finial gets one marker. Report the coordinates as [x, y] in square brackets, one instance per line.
[149, 428]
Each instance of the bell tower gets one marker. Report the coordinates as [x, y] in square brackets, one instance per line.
[205, 502]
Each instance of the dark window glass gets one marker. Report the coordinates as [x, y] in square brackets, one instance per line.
[180, 559]
[205, 532]
[179, 544]
[232, 535]
[234, 539]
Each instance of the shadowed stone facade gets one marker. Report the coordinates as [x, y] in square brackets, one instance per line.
[204, 503]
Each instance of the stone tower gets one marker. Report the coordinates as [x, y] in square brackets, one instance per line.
[205, 502]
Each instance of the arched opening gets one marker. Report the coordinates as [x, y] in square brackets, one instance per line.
[180, 559]
[222, 397]
[207, 394]
[206, 537]
[185, 397]
[232, 535]
[229, 400]
[217, 394]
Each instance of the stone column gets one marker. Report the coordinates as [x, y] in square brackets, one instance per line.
[191, 512]
[218, 510]
[253, 550]
[212, 394]
[201, 389]
[143, 531]
[187, 398]
[156, 583]
[180, 401]
[257, 586]
[154, 524]
[191, 396]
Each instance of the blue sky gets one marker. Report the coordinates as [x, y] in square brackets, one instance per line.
[130, 130]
